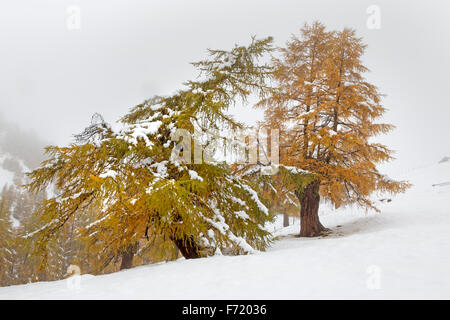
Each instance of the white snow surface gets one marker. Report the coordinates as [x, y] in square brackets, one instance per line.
[6, 176]
[401, 253]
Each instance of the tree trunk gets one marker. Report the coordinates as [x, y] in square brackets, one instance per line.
[187, 247]
[285, 220]
[309, 198]
[127, 256]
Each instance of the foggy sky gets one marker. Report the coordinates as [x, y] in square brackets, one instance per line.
[53, 79]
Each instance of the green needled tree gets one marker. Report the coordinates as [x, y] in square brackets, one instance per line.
[140, 186]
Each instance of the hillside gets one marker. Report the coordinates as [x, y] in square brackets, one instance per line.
[400, 253]
[6, 176]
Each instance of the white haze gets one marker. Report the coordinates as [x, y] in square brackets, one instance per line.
[52, 79]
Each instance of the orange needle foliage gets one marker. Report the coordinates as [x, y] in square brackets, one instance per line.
[328, 113]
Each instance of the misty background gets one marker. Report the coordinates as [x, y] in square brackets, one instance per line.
[53, 77]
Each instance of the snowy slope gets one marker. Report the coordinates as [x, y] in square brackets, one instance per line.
[6, 176]
[11, 167]
[12, 174]
[401, 253]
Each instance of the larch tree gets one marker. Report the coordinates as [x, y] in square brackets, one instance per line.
[140, 178]
[282, 196]
[330, 114]
[280, 186]
[7, 253]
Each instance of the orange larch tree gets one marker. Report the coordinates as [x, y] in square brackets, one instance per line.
[329, 113]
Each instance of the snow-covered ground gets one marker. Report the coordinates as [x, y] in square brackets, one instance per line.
[402, 253]
[6, 176]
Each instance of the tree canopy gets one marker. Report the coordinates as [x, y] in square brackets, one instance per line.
[140, 185]
[329, 114]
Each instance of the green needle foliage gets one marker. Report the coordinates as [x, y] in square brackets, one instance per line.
[139, 188]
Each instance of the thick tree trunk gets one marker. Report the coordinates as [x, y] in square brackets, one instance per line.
[309, 198]
[127, 256]
[285, 220]
[187, 247]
